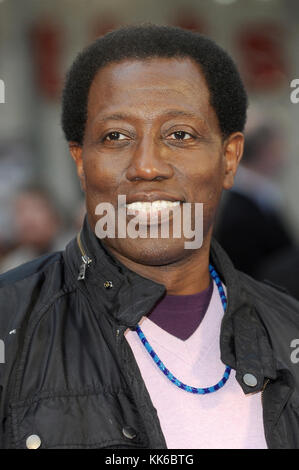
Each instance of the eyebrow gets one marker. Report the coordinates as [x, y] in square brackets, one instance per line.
[115, 117]
[177, 112]
[168, 112]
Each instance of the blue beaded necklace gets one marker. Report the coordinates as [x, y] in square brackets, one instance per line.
[164, 369]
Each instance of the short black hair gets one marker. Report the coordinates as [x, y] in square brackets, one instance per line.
[227, 93]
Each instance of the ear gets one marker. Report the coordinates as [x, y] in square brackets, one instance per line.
[233, 151]
[76, 153]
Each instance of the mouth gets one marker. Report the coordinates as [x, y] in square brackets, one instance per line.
[154, 212]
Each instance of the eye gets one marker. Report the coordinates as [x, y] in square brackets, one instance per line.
[114, 136]
[182, 135]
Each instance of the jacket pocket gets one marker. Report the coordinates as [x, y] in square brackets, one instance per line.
[91, 420]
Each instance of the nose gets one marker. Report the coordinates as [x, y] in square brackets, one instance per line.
[148, 161]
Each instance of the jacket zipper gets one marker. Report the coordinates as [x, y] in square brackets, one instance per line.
[86, 260]
[119, 331]
[134, 382]
[82, 272]
[263, 389]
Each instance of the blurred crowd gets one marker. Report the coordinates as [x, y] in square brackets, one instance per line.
[37, 227]
[35, 51]
[251, 224]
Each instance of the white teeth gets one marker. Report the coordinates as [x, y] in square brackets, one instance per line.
[155, 205]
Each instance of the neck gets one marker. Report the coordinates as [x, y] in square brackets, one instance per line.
[186, 276]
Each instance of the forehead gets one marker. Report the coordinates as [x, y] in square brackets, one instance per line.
[150, 86]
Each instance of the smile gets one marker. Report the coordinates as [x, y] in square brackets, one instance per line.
[152, 206]
[153, 212]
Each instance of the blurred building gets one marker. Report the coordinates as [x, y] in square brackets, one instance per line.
[39, 40]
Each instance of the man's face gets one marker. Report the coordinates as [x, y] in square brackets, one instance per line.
[150, 128]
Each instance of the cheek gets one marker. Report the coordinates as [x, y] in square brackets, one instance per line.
[207, 186]
[208, 180]
[101, 175]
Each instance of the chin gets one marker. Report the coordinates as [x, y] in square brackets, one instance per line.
[156, 252]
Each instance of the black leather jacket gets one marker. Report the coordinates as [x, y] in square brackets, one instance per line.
[70, 377]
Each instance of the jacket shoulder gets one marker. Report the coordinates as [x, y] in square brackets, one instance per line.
[279, 313]
[28, 269]
[267, 294]
[26, 286]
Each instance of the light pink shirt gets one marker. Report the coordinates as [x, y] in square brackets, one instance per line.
[225, 419]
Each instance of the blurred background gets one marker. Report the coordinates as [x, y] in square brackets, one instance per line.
[41, 204]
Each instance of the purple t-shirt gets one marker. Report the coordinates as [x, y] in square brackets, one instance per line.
[180, 315]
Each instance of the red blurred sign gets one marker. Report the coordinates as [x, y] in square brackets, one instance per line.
[46, 45]
[262, 56]
[187, 18]
[104, 24]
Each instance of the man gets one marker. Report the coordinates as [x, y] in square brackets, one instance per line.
[154, 114]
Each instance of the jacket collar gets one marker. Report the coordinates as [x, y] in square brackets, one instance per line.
[131, 295]
[243, 341]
